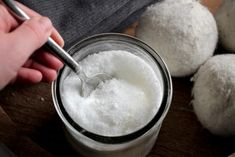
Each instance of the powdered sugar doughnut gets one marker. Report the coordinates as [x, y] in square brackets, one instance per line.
[183, 32]
[214, 94]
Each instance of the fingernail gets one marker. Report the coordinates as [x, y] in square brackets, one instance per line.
[61, 41]
[46, 24]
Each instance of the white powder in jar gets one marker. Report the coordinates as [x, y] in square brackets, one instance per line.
[118, 106]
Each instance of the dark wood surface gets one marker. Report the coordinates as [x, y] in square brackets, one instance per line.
[30, 127]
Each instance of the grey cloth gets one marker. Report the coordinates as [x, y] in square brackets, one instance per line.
[5, 152]
[76, 19]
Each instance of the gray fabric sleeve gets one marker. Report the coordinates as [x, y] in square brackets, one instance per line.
[76, 19]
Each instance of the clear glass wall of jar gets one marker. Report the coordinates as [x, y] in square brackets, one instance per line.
[136, 144]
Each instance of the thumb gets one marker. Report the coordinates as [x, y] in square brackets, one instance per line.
[29, 36]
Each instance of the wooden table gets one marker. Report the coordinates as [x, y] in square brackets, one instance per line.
[30, 127]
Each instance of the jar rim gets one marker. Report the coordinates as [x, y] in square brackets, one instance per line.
[157, 118]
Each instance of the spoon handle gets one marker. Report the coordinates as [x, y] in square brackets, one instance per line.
[50, 44]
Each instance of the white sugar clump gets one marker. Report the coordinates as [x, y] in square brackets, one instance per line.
[183, 32]
[225, 18]
[118, 106]
[214, 94]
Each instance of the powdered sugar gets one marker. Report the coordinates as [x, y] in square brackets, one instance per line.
[118, 106]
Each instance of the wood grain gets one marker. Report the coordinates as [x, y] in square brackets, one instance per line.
[212, 5]
[31, 127]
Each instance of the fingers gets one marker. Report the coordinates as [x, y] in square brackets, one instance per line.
[18, 42]
[46, 64]
[48, 60]
[28, 75]
[27, 38]
[48, 74]
[33, 72]
[55, 35]
[7, 22]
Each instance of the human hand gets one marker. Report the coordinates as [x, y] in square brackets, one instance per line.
[20, 58]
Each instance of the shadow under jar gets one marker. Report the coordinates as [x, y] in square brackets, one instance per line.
[137, 143]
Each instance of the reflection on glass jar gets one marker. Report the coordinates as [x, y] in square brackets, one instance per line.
[123, 116]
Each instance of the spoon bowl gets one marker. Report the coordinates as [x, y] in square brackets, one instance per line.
[89, 84]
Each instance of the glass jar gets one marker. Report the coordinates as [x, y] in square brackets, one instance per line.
[136, 144]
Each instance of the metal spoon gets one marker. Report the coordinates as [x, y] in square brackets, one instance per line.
[88, 83]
